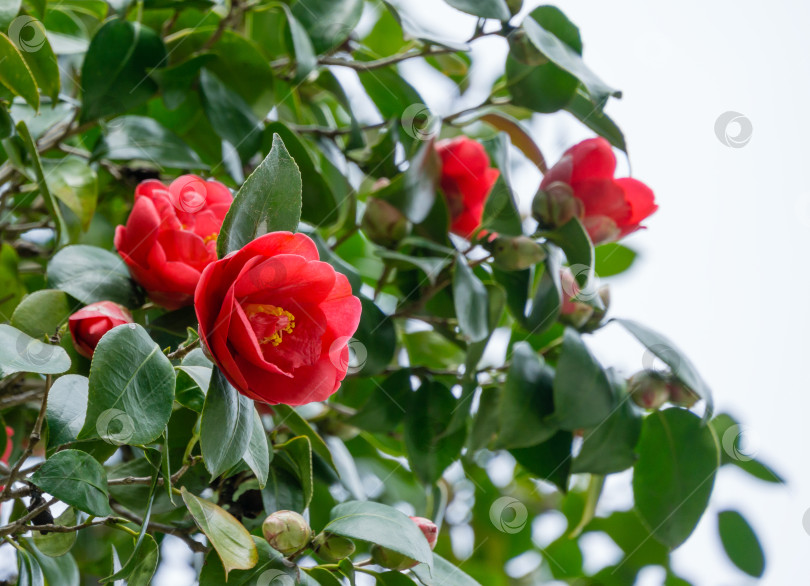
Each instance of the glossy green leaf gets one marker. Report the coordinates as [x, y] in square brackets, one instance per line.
[682, 367]
[283, 491]
[61, 570]
[15, 73]
[8, 10]
[527, 400]
[472, 305]
[612, 258]
[731, 436]
[231, 540]
[575, 242]
[270, 567]
[30, 38]
[594, 118]
[431, 443]
[72, 181]
[257, 454]
[610, 446]
[138, 138]
[77, 479]
[301, 45]
[230, 116]
[741, 543]
[10, 283]
[22, 353]
[290, 418]
[131, 389]
[550, 460]
[328, 22]
[226, 426]
[674, 475]
[415, 193]
[377, 339]
[380, 524]
[67, 408]
[42, 312]
[484, 8]
[192, 386]
[269, 201]
[91, 274]
[115, 73]
[146, 563]
[583, 397]
[297, 454]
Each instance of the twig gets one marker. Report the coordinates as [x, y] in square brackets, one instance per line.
[14, 527]
[195, 546]
[385, 61]
[183, 350]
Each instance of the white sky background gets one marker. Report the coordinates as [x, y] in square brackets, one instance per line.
[722, 269]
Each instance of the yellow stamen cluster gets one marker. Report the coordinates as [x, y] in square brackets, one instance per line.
[275, 339]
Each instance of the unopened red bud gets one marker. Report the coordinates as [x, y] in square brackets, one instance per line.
[383, 223]
[332, 548]
[286, 531]
[681, 395]
[428, 528]
[648, 389]
[515, 254]
[556, 205]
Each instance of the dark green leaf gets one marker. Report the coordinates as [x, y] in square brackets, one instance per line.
[8, 10]
[58, 544]
[674, 475]
[328, 22]
[297, 453]
[257, 455]
[431, 443]
[610, 446]
[593, 117]
[131, 388]
[115, 74]
[226, 426]
[550, 460]
[484, 8]
[377, 338]
[77, 479]
[72, 181]
[231, 540]
[527, 400]
[269, 201]
[138, 138]
[302, 48]
[443, 572]
[66, 410]
[472, 305]
[291, 418]
[741, 543]
[731, 436]
[22, 353]
[575, 242]
[230, 115]
[15, 74]
[283, 492]
[192, 386]
[385, 408]
[583, 396]
[380, 524]
[612, 259]
[91, 274]
[682, 367]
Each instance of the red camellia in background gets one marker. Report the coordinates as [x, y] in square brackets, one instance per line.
[90, 323]
[277, 321]
[170, 236]
[609, 208]
[466, 180]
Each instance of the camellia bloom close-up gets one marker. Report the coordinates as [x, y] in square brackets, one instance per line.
[277, 321]
[583, 181]
[170, 236]
[466, 180]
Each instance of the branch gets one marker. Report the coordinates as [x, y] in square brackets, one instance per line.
[195, 546]
[385, 61]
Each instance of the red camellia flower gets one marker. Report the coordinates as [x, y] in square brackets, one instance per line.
[90, 323]
[277, 321]
[609, 208]
[171, 234]
[466, 181]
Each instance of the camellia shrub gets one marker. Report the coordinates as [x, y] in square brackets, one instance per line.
[257, 298]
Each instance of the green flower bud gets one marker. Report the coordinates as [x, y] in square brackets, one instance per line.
[556, 206]
[515, 254]
[595, 321]
[649, 389]
[383, 223]
[391, 559]
[286, 531]
[681, 395]
[332, 548]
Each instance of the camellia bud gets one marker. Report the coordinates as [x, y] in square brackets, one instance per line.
[396, 561]
[332, 548]
[595, 321]
[428, 528]
[680, 394]
[572, 311]
[286, 531]
[556, 205]
[515, 254]
[648, 389]
[383, 223]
